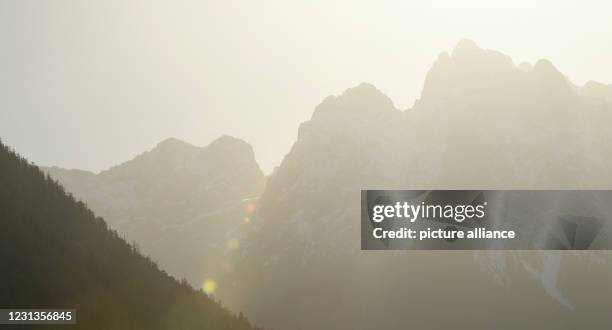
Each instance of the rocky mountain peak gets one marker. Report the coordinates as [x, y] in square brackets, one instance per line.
[172, 143]
[227, 143]
[469, 69]
[466, 47]
[599, 91]
[362, 100]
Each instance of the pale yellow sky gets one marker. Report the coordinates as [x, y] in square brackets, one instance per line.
[89, 84]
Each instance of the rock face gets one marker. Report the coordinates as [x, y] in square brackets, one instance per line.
[183, 205]
[601, 93]
[481, 123]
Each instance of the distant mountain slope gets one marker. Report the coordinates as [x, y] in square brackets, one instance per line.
[183, 205]
[598, 91]
[55, 253]
[481, 123]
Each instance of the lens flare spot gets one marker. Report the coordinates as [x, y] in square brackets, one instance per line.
[246, 220]
[249, 208]
[209, 286]
[233, 244]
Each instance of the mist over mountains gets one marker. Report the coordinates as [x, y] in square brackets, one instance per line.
[482, 122]
[181, 204]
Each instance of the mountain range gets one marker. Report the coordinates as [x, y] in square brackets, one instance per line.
[482, 122]
[286, 248]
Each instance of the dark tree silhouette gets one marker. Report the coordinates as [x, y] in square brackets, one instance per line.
[55, 253]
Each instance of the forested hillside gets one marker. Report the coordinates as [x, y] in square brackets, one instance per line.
[55, 253]
[184, 205]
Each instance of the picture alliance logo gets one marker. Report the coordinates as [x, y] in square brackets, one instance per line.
[450, 233]
[484, 219]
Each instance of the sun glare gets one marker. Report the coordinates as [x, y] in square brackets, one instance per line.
[209, 286]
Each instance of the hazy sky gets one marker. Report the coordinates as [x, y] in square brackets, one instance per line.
[89, 84]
